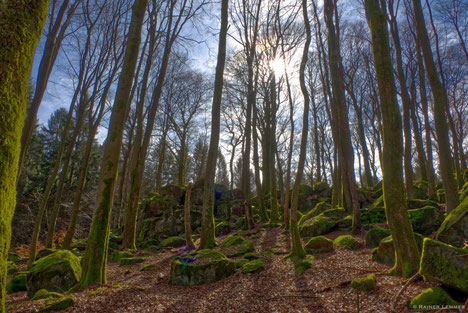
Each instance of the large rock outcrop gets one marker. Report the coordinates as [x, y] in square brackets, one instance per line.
[454, 229]
[57, 272]
[445, 264]
[200, 267]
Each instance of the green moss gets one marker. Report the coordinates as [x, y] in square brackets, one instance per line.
[375, 235]
[147, 267]
[18, 283]
[444, 263]
[365, 284]
[445, 232]
[44, 294]
[318, 225]
[117, 256]
[241, 262]
[385, 252]
[379, 202]
[464, 192]
[14, 257]
[431, 297]
[335, 213]
[318, 244]
[59, 305]
[318, 209]
[12, 267]
[373, 215]
[174, 242]
[232, 240]
[347, 242]
[425, 220]
[345, 223]
[302, 266]
[130, 261]
[253, 266]
[251, 256]
[441, 195]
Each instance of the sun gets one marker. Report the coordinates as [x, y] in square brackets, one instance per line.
[278, 66]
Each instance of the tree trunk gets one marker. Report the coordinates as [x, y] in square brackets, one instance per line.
[95, 259]
[52, 46]
[406, 251]
[440, 106]
[188, 227]
[207, 238]
[22, 24]
[340, 117]
[58, 193]
[297, 251]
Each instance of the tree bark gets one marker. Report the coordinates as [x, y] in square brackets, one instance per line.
[440, 106]
[207, 238]
[95, 259]
[22, 24]
[406, 251]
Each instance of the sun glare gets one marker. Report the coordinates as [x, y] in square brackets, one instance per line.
[278, 66]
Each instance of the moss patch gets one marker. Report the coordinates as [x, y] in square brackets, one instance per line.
[302, 266]
[454, 229]
[365, 284]
[147, 267]
[130, 261]
[317, 226]
[444, 263]
[117, 256]
[235, 245]
[318, 244]
[59, 305]
[375, 235]
[173, 242]
[436, 296]
[253, 266]
[18, 283]
[319, 208]
[347, 242]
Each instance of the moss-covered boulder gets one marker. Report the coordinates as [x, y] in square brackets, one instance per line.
[43, 253]
[430, 298]
[336, 213]
[418, 203]
[44, 294]
[318, 244]
[173, 242]
[251, 256]
[59, 305]
[385, 252]
[318, 209]
[130, 261]
[444, 263]
[223, 228]
[57, 272]
[18, 283]
[253, 266]
[425, 220]
[375, 235]
[373, 215]
[118, 255]
[302, 266]
[347, 242]
[235, 245]
[346, 223]
[454, 229]
[317, 226]
[364, 284]
[200, 267]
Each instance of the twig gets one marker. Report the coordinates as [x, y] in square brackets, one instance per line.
[414, 278]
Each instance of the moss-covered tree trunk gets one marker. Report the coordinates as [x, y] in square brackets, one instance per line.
[187, 222]
[406, 251]
[258, 184]
[440, 106]
[207, 238]
[297, 251]
[340, 116]
[274, 206]
[95, 259]
[21, 24]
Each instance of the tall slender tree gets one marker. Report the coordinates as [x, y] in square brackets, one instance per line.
[95, 259]
[406, 251]
[207, 238]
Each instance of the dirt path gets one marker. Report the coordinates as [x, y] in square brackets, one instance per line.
[276, 289]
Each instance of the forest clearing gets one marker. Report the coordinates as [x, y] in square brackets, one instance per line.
[233, 156]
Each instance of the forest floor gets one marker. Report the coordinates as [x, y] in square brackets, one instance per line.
[325, 287]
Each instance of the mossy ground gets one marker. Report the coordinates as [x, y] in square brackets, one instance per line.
[347, 242]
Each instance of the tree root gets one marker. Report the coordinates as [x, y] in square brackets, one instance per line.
[414, 278]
